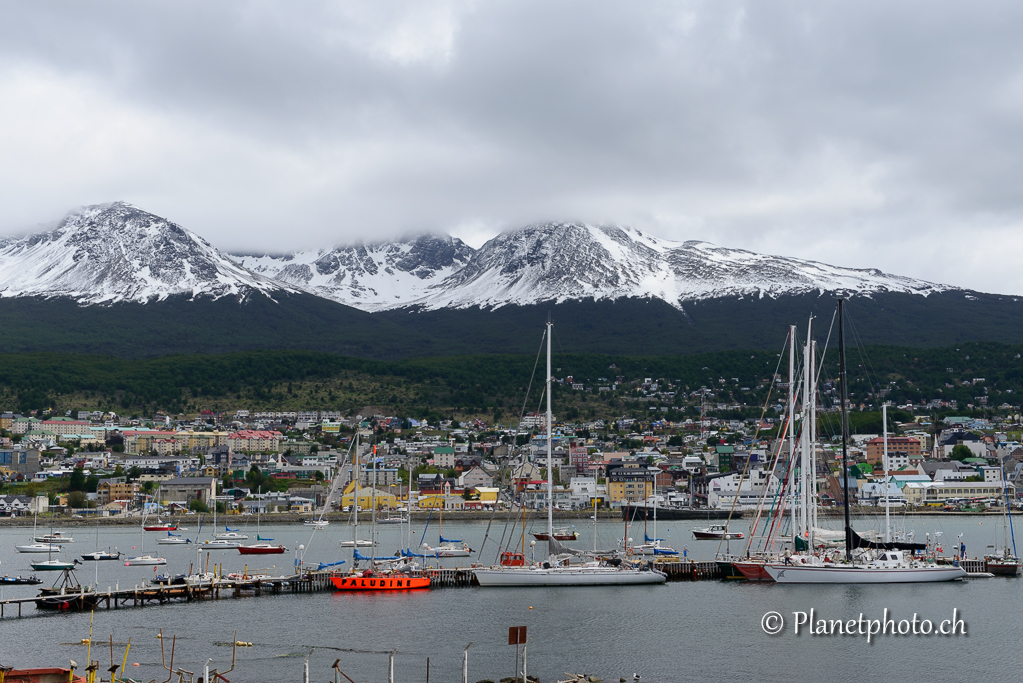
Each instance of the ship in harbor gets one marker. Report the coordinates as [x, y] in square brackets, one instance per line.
[637, 511]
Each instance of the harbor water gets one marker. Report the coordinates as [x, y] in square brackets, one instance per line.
[685, 631]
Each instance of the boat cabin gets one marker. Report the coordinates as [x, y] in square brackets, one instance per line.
[510, 559]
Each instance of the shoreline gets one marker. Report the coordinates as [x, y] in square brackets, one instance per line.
[284, 518]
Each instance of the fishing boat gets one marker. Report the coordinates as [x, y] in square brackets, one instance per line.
[716, 532]
[160, 526]
[54, 537]
[559, 570]
[173, 539]
[100, 555]
[562, 534]
[20, 580]
[876, 562]
[38, 548]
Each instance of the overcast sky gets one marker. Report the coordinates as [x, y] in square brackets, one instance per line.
[866, 134]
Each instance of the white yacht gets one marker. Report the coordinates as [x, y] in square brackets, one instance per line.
[559, 570]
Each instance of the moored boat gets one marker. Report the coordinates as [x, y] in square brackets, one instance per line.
[54, 537]
[716, 532]
[53, 565]
[261, 549]
[160, 526]
[38, 548]
[98, 555]
[372, 581]
[559, 535]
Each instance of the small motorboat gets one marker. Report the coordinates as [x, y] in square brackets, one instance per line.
[559, 535]
[38, 548]
[261, 549]
[144, 561]
[55, 537]
[319, 523]
[173, 539]
[716, 532]
[20, 580]
[101, 555]
[447, 550]
[360, 543]
[219, 544]
[53, 565]
[160, 526]
[231, 536]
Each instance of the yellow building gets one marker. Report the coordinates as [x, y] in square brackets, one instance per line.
[365, 496]
[437, 501]
[487, 495]
[629, 483]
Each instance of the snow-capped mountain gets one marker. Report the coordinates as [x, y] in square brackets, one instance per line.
[118, 252]
[370, 277]
[559, 261]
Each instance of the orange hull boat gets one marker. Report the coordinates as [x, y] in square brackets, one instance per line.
[379, 583]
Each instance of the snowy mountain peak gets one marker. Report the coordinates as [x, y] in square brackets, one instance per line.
[118, 252]
[367, 276]
[563, 261]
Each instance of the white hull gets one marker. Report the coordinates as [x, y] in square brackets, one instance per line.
[144, 561]
[220, 545]
[172, 541]
[37, 548]
[361, 543]
[567, 576]
[56, 538]
[782, 573]
[231, 536]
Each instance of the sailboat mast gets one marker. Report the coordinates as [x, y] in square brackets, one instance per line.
[550, 435]
[809, 502]
[813, 434]
[355, 494]
[792, 428]
[845, 427]
[887, 512]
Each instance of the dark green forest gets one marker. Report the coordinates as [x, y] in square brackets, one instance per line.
[490, 385]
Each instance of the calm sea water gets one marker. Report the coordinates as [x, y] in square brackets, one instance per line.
[687, 631]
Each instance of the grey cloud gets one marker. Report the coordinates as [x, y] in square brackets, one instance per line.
[867, 134]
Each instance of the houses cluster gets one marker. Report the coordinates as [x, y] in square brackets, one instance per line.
[705, 460]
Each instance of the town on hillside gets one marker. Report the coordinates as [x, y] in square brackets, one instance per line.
[95, 462]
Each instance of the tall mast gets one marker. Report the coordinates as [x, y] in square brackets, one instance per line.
[550, 434]
[845, 428]
[792, 429]
[813, 433]
[806, 438]
[355, 494]
[887, 512]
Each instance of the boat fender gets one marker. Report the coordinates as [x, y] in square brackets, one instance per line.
[546, 565]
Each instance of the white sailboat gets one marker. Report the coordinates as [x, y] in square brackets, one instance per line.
[143, 558]
[356, 542]
[219, 543]
[888, 564]
[558, 570]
